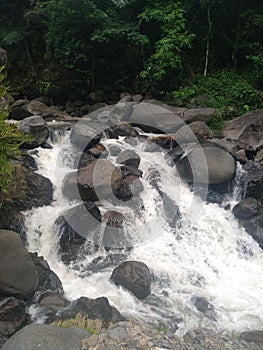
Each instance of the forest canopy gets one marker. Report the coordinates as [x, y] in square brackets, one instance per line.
[162, 47]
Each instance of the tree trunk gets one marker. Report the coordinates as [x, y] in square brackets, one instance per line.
[208, 41]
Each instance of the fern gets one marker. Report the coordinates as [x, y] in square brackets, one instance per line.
[10, 141]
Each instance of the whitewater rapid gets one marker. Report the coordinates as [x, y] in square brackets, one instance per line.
[208, 255]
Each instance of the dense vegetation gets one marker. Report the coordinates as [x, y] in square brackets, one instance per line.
[169, 48]
[10, 141]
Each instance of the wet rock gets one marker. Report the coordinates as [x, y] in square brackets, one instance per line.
[130, 171]
[18, 275]
[46, 337]
[121, 129]
[25, 191]
[75, 227]
[83, 160]
[48, 280]
[99, 179]
[52, 300]
[253, 180]
[36, 127]
[130, 186]
[209, 165]
[253, 336]
[247, 208]
[12, 315]
[83, 136]
[130, 141]
[114, 150]
[98, 151]
[129, 158]
[134, 276]
[202, 304]
[114, 236]
[165, 142]
[99, 309]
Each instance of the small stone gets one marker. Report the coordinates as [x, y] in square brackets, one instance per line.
[92, 340]
[118, 333]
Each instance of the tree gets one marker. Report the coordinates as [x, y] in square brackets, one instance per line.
[173, 38]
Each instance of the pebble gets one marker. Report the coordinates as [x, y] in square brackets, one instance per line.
[134, 336]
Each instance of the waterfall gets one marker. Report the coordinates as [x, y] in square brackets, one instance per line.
[208, 255]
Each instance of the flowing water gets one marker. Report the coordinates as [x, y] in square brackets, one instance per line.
[208, 255]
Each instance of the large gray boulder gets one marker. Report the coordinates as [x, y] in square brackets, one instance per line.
[203, 114]
[149, 117]
[246, 131]
[99, 179]
[207, 165]
[134, 276]
[46, 337]
[36, 127]
[85, 134]
[22, 109]
[18, 275]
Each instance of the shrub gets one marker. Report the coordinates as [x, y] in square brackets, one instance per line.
[232, 94]
[10, 141]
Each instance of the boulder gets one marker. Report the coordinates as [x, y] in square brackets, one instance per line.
[114, 150]
[95, 309]
[98, 151]
[203, 114]
[84, 136]
[255, 336]
[253, 180]
[246, 131]
[129, 158]
[121, 129]
[12, 315]
[22, 109]
[36, 127]
[75, 227]
[174, 109]
[52, 300]
[130, 186]
[150, 117]
[247, 208]
[18, 275]
[165, 142]
[46, 337]
[25, 191]
[207, 165]
[114, 235]
[137, 98]
[200, 129]
[98, 180]
[48, 280]
[134, 276]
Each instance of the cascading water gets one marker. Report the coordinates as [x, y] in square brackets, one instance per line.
[208, 255]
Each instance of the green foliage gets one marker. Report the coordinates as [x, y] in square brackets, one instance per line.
[167, 57]
[227, 91]
[10, 141]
